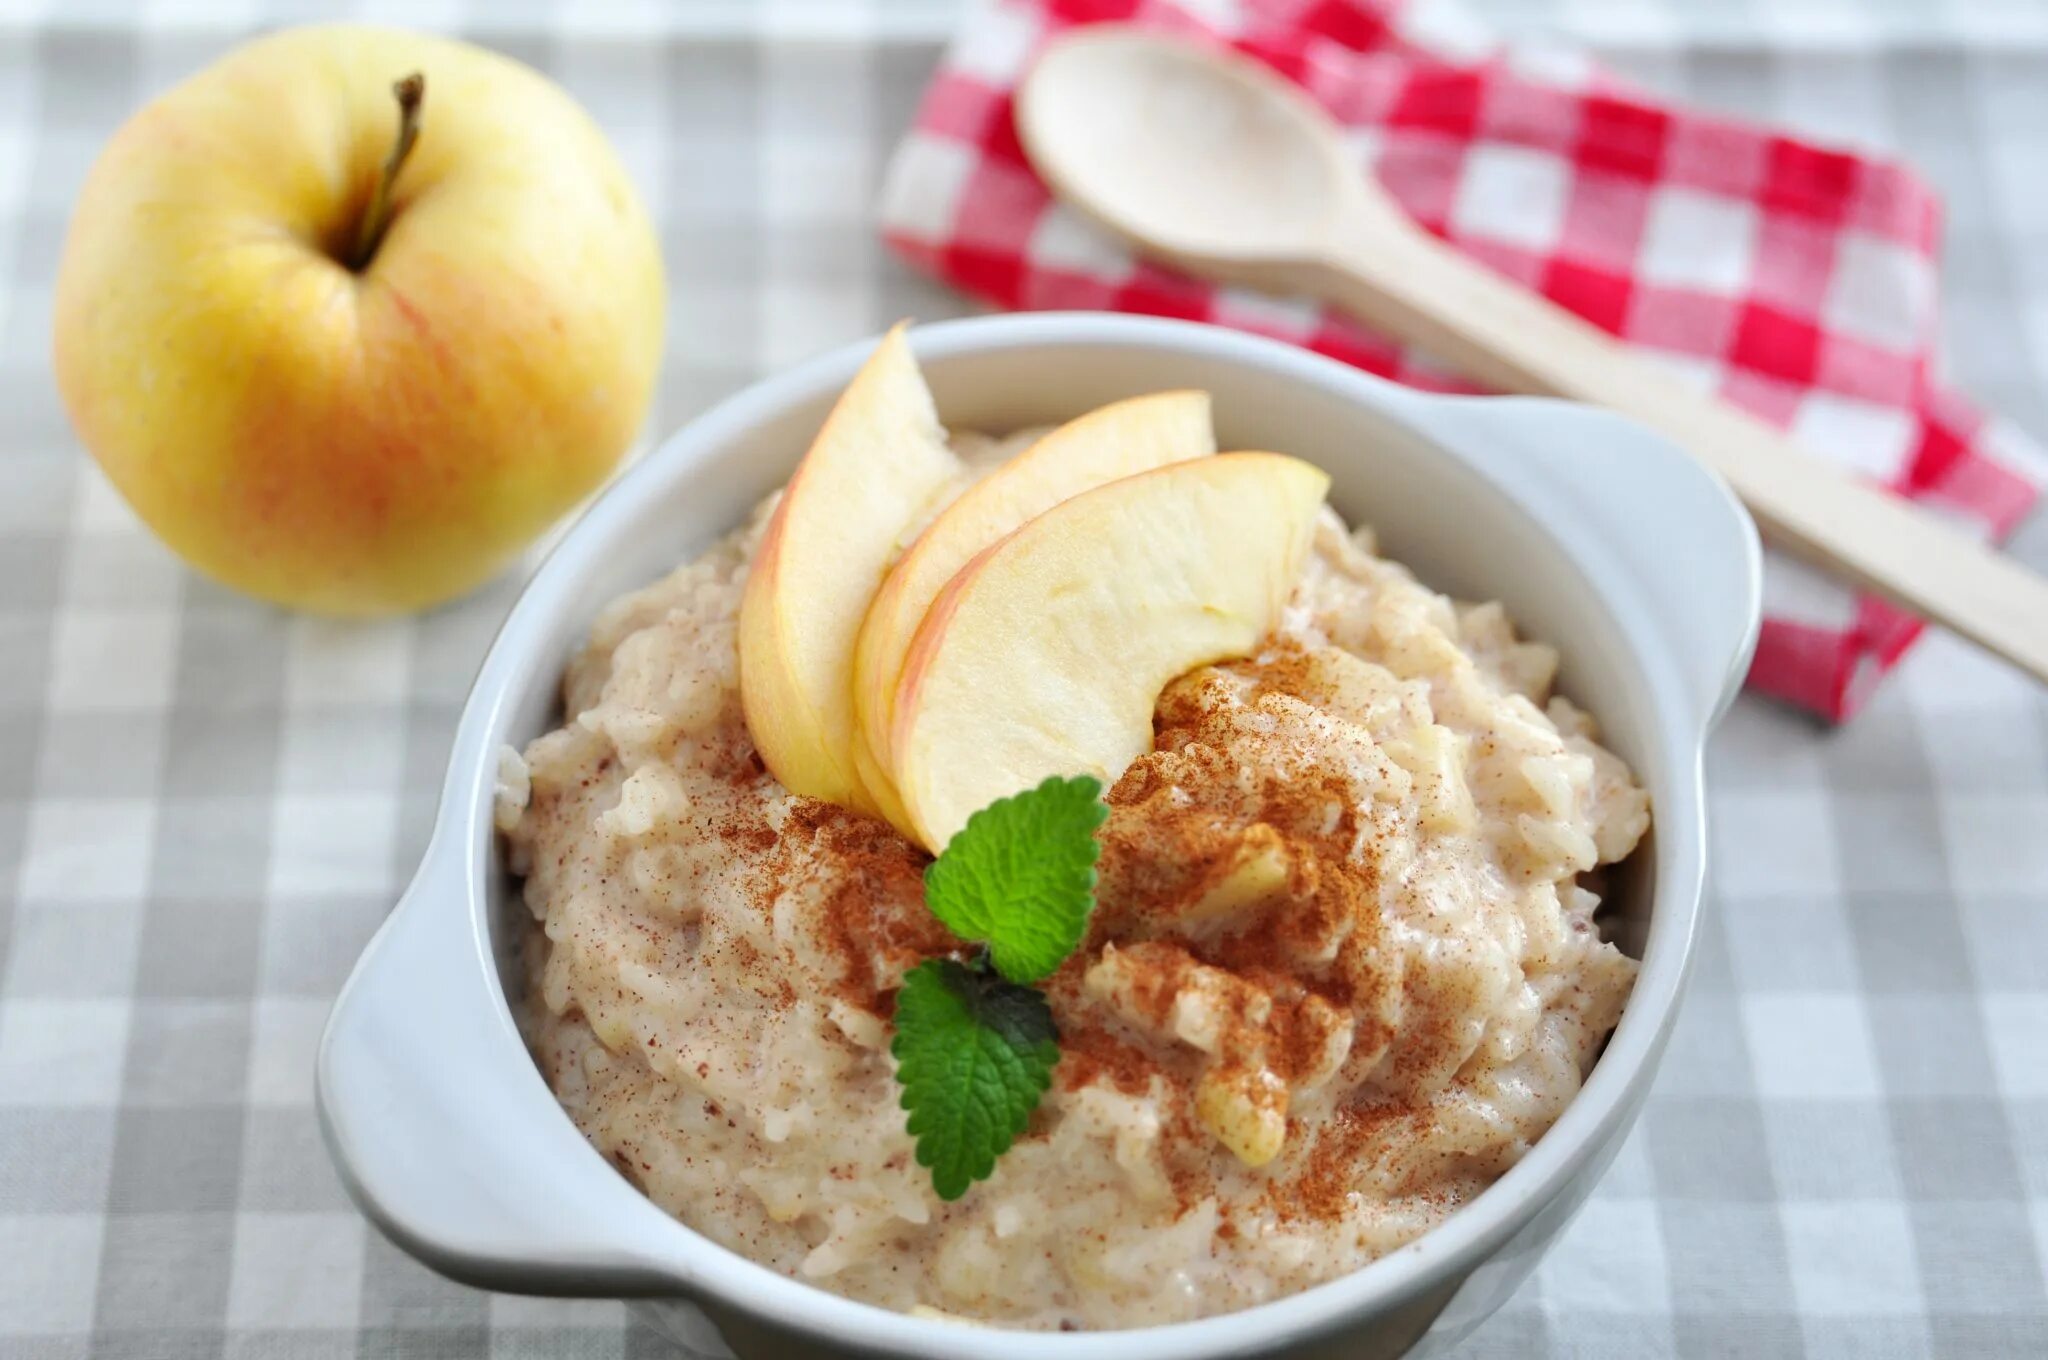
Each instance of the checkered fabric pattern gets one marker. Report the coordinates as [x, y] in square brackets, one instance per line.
[1795, 279]
[207, 806]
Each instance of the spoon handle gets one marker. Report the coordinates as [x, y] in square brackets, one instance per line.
[1405, 283]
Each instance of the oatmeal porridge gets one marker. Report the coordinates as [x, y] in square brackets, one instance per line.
[1343, 969]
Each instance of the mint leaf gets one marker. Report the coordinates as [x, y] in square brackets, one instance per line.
[974, 1054]
[1020, 876]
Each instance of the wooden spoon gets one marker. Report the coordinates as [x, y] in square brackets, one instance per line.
[1215, 164]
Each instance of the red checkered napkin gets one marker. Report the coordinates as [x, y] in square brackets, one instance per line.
[1796, 280]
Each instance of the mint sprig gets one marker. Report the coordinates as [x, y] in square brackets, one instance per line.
[1020, 876]
[974, 1053]
[975, 1044]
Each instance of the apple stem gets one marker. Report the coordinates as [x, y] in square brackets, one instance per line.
[411, 92]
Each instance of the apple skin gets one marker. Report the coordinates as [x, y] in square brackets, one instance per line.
[357, 442]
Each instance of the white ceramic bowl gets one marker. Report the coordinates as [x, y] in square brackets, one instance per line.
[1600, 538]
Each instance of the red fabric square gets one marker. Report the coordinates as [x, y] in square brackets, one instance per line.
[1445, 102]
[1777, 344]
[1622, 138]
[1599, 295]
[1811, 181]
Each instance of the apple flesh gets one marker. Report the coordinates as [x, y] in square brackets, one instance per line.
[1111, 442]
[876, 468]
[1046, 654]
[346, 434]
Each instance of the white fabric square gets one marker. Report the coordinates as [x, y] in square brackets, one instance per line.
[335, 843]
[332, 661]
[1512, 194]
[1265, 312]
[1068, 241]
[62, 1052]
[1547, 63]
[83, 849]
[995, 45]
[1997, 842]
[1860, 436]
[113, 659]
[2016, 1025]
[1852, 1258]
[921, 197]
[1767, 842]
[1697, 240]
[296, 1271]
[284, 1038]
[1697, 372]
[49, 1273]
[1610, 1260]
[1449, 29]
[1881, 292]
[1810, 1047]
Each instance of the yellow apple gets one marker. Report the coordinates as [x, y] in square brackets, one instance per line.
[872, 475]
[341, 376]
[1118, 440]
[1046, 654]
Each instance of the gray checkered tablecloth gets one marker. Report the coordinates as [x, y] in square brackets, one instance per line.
[206, 806]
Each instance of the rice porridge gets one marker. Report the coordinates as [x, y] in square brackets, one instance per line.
[1343, 970]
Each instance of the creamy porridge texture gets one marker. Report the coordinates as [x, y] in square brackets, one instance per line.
[1342, 973]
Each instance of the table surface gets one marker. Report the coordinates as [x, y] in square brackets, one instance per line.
[207, 806]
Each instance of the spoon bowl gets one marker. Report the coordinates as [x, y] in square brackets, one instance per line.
[1205, 157]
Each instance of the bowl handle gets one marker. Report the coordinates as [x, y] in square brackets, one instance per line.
[1652, 517]
[445, 1132]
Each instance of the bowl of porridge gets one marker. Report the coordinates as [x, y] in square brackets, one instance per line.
[1394, 704]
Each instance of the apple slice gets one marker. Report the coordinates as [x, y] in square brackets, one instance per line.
[872, 474]
[1108, 443]
[1045, 655]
